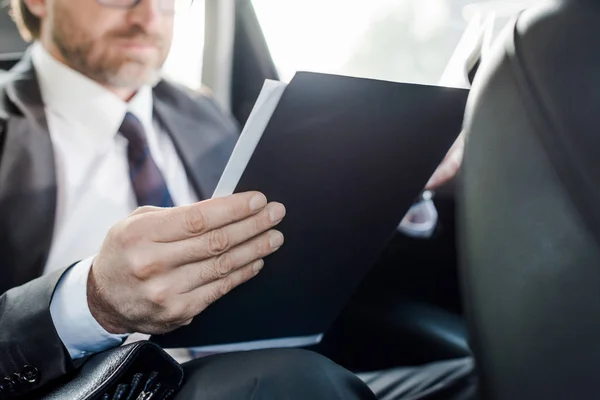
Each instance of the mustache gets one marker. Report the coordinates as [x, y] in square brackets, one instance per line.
[139, 34]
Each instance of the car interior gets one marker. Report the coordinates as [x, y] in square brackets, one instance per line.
[11, 45]
[529, 211]
[510, 274]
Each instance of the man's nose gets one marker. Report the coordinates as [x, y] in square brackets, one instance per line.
[147, 13]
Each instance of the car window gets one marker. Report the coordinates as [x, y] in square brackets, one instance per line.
[399, 40]
[184, 63]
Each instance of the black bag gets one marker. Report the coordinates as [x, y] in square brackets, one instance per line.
[138, 371]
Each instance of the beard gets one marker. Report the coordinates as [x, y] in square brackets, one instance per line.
[103, 60]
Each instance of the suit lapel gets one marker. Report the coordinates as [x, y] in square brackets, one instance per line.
[27, 181]
[203, 138]
[28, 189]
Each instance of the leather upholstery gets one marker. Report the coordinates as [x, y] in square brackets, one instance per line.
[391, 331]
[530, 207]
[102, 372]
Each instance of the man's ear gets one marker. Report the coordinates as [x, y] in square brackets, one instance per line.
[37, 7]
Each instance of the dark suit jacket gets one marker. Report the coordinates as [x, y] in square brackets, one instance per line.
[204, 138]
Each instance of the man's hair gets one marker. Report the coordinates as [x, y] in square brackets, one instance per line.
[29, 25]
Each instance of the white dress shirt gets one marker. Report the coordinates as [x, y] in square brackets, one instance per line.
[94, 188]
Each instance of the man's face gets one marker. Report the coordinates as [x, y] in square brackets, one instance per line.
[120, 48]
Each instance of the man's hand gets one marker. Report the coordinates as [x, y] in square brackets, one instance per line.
[159, 268]
[449, 166]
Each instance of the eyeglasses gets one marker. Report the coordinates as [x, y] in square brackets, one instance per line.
[166, 6]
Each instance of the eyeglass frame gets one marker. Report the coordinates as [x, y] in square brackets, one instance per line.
[135, 3]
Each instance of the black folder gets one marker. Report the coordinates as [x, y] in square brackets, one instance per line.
[347, 157]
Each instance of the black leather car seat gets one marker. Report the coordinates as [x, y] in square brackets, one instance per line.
[530, 207]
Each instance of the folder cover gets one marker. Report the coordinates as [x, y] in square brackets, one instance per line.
[346, 156]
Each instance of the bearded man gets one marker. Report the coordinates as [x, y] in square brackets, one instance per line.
[104, 167]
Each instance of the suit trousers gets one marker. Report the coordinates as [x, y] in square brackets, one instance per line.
[299, 374]
[270, 374]
[444, 380]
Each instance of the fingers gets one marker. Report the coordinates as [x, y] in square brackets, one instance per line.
[186, 291]
[184, 222]
[446, 171]
[146, 209]
[199, 299]
[171, 311]
[220, 240]
[449, 166]
[191, 276]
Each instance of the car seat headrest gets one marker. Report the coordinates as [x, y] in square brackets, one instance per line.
[530, 207]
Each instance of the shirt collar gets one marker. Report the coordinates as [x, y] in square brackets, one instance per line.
[141, 105]
[76, 97]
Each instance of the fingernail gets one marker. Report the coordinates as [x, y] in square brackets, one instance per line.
[277, 212]
[276, 240]
[258, 202]
[258, 266]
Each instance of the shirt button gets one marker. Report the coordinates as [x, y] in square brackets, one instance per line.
[30, 374]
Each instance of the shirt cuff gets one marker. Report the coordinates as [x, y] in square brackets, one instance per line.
[79, 331]
[420, 221]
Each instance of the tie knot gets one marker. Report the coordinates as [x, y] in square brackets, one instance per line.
[133, 130]
[147, 180]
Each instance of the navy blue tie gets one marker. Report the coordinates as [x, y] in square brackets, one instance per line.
[148, 182]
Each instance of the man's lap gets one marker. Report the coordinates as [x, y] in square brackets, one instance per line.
[299, 374]
[270, 374]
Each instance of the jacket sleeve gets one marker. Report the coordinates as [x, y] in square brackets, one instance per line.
[31, 352]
